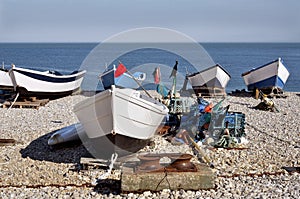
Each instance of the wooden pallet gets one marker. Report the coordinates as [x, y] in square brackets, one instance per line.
[31, 102]
[209, 91]
[88, 162]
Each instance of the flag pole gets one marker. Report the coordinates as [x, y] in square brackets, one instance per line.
[137, 81]
[173, 73]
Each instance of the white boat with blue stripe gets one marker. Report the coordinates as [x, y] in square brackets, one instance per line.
[45, 83]
[271, 75]
[5, 81]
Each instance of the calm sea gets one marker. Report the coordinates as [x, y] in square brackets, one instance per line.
[236, 58]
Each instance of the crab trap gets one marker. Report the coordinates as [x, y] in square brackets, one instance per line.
[235, 122]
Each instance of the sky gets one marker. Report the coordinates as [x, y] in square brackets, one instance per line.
[97, 20]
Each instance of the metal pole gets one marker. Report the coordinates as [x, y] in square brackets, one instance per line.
[138, 83]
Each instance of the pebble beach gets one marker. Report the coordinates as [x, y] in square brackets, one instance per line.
[30, 168]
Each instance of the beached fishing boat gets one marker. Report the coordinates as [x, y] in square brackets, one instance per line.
[45, 83]
[124, 81]
[212, 80]
[120, 119]
[271, 75]
[5, 81]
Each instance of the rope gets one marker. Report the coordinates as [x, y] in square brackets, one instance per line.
[113, 159]
[165, 177]
[204, 156]
[14, 101]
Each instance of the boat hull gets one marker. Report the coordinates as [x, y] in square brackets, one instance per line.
[36, 83]
[124, 81]
[271, 75]
[5, 81]
[103, 147]
[210, 79]
[70, 133]
[108, 79]
[120, 112]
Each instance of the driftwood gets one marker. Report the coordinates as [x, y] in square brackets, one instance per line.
[8, 142]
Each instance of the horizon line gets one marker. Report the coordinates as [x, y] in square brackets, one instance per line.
[94, 42]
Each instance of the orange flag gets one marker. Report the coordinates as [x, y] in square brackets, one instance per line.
[120, 70]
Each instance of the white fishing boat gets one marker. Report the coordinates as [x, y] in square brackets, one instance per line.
[123, 117]
[124, 81]
[271, 75]
[212, 79]
[45, 83]
[5, 81]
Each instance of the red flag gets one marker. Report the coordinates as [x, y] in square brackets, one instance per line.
[156, 75]
[120, 70]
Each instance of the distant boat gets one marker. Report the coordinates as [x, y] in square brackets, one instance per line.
[5, 81]
[124, 81]
[213, 79]
[120, 119]
[46, 83]
[271, 75]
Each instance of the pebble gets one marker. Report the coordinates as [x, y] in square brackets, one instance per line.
[255, 172]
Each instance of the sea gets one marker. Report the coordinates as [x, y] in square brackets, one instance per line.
[235, 58]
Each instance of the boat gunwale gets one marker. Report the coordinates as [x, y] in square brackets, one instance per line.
[217, 65]
[78, 74]
[105, 73]
[90, 100]
[159, 107]
[255, 69]
[4, 70]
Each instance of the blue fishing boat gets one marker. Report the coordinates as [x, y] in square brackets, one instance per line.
[124, 81]
[269, 76]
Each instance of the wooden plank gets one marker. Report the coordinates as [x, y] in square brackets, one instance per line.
[93, 161]
[32, 99]
[28, 104]
[7, 142]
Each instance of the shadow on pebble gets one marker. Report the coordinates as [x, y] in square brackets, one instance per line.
[108, 186]
[64, 153]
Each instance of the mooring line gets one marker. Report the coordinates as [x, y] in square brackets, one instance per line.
[37, 186]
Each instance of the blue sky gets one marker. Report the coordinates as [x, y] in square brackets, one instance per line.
[96, 20]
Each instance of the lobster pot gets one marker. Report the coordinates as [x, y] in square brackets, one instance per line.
[236, 123]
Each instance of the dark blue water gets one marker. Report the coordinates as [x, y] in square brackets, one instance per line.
[236, 58]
